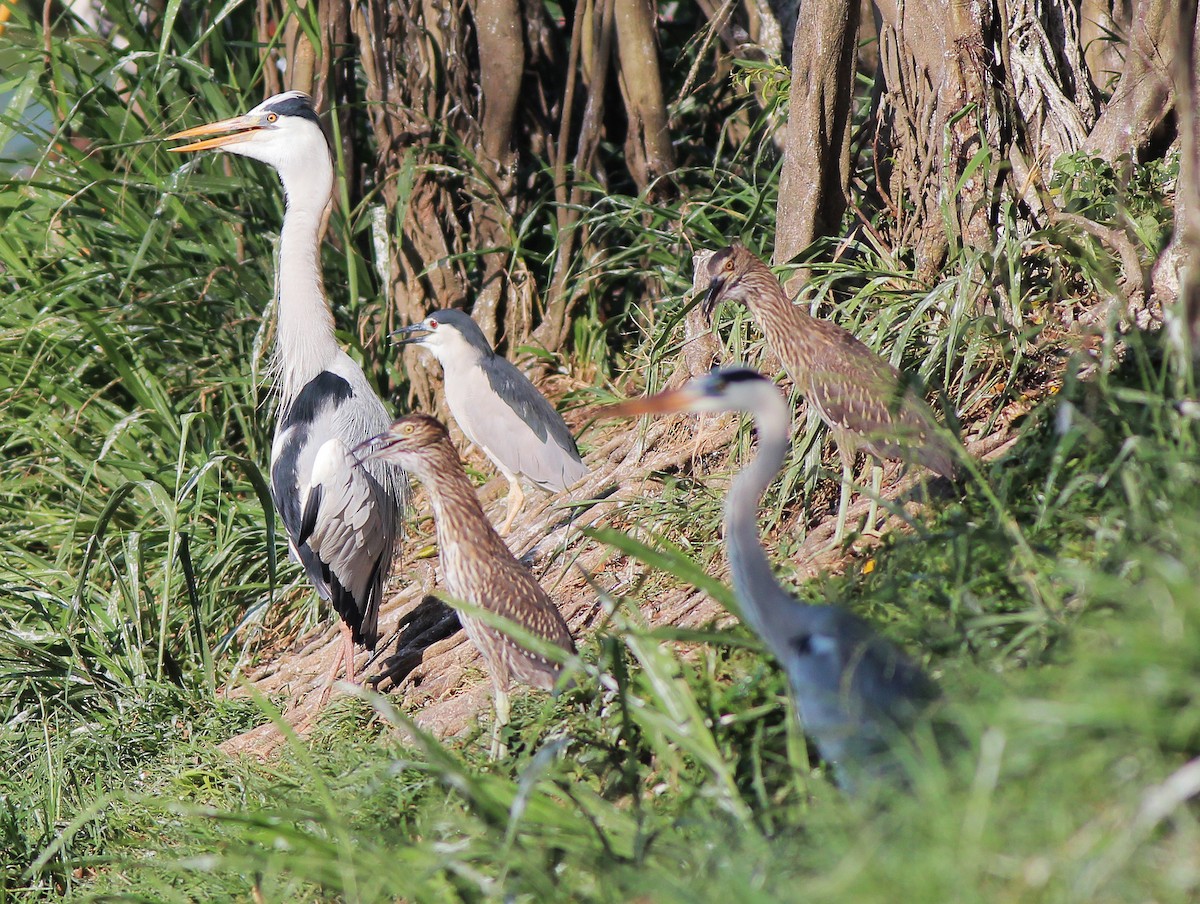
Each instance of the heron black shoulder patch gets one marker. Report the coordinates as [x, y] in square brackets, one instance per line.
[324, 390]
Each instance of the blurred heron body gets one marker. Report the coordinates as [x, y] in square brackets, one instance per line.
[498, 409]
[866, 402]
[856, 692]
[477, 565]
[342, 518]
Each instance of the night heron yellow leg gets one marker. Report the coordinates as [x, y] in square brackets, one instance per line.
[499, 748]
[516, 500]
[873, 508]
[844, 497]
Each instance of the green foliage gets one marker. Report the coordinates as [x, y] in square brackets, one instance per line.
[1054, 598]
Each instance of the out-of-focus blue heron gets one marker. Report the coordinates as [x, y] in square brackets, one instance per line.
[477, 566]
[342, 518]
[865, 401]
[856, 692]
[498, 409]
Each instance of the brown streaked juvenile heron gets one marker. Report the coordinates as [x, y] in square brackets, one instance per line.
[498, 409]
[342, 518]
[866, 402]
[857, 693]
[477, 566]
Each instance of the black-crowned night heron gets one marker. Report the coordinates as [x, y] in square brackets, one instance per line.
[342, 518]
[477, 566]
[857, 694]
[865, 401]
[498, 409]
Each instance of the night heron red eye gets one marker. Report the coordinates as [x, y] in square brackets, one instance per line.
[500, 411]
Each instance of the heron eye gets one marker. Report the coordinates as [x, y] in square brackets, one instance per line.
[408, 429]
[729, 265]
[803, 645]
[272, 117]
[433, 324]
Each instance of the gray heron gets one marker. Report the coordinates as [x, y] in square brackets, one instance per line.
[477, 565]
[857, 693]
[498, 409]
[342, 518]
[866, 402]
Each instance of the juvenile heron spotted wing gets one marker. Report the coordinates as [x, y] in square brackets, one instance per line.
[866, 402]
[342, 518]
[477, 565]
[498, 409]
[857, 694]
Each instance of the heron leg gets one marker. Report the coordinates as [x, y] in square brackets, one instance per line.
[516, 501]
[344, 658]
[348, 651]
[873, 508]
[844, 497]
[499, 748]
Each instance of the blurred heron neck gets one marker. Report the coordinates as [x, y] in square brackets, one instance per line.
[754, 581]
[305, 341]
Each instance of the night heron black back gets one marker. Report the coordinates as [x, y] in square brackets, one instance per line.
[342, 518]
[866, 402]
[498, 409]
[857, 694]
[477, 566]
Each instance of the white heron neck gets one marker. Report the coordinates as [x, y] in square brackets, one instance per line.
[305, 343]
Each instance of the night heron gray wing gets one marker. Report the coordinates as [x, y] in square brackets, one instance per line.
[342, 519]
[856, 693]
[498, 408]
[524, 432]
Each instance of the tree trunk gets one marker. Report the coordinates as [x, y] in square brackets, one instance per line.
[1176, 275]
[816, 164]
[1144, 95]
[648, 151]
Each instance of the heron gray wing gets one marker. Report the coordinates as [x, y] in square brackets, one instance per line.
[543, 450]
[345, 526]
[341, 519]
[855, 690]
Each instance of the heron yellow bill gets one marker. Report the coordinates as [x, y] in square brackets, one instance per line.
[226, 131]
[669, 402]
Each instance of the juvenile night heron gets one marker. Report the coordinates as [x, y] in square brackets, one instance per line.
[342, 518]
[857, 694]
[477, 566]
[498, 409]
[865, 401]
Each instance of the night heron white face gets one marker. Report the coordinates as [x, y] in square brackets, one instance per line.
[498, 409]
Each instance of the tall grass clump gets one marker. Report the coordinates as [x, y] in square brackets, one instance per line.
[1052, 597]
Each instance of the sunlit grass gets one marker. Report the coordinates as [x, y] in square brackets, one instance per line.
[140, 555]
